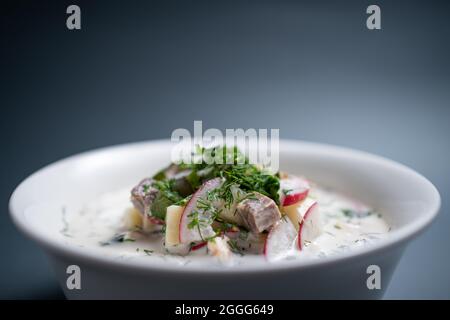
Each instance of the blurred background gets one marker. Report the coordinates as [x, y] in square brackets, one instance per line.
[139, 69]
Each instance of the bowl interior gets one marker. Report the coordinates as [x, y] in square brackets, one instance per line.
[406, 199]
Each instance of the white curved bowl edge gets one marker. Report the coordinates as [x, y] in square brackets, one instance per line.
[411, 203]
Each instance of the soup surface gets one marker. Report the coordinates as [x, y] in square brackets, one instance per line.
[102, 223]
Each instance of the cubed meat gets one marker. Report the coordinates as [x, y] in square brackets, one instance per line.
[143, 195]
[258, 212]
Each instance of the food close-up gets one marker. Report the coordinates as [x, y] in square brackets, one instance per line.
[223, 159]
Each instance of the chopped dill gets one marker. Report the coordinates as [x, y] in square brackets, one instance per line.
[236, 169]
[349, 213]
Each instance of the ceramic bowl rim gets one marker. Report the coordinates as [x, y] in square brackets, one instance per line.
[76, 253]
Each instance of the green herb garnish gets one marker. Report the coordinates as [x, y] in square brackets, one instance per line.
[235, 168]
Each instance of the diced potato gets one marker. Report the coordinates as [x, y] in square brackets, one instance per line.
[133, 219]
[173, 216]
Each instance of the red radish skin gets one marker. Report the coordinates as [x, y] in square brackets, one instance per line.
[192, 204]
[300, 227]
[199, 246]
[298, 189]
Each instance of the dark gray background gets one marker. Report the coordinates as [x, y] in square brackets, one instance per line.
[137, 70]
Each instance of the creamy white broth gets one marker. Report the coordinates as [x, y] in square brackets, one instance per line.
[102, 219]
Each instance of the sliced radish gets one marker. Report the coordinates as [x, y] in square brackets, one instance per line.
[297, 211]
[155, 220]
[293, 189]
[171, 242]
[198, 246]
[311, 226]
[201, 231]
[281, 240]
[306, 219]
[228, 211]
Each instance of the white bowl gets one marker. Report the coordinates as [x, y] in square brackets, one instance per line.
[408, 201]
